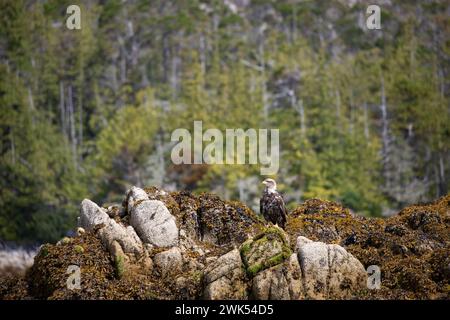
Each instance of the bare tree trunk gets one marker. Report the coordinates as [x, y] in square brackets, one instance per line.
[31, 105]
[351, 111]
[302, 118]
[442, 184]
[366, 123]
[80, 118]
[385, 135]
[80, 103]
[161, 163]
[123, 66]
[135, 45]
[338, 109]
[62, 107]
[385, 124]
[241, 188]
[165, 57]
[261, 51]
[294, 23]
[30, 99]
[13, 148]
[298, 106]
[115, 82]
[202, 47]
[73, 137]
[174, 72]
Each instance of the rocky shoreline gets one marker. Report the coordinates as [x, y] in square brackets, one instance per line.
[161, 245]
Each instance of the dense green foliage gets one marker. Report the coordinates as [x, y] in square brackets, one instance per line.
[363, 114]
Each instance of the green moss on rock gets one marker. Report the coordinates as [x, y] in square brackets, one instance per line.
[269, 248]
[119, 264]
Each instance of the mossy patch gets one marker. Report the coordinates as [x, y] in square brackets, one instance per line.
[119, 264]
[267, 249]
[78, 249]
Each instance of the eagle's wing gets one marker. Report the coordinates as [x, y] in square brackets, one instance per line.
[264, 206]
[278, 207]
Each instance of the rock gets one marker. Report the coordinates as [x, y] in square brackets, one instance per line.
[80, 231]
[188, 206]
[313, 259]
[398, 230]
[134, 196]
[282, 282]
[121, 261]
[63, 241]
[224, 278]
[329, 271]
[301, 241]
[347, 274]
[154, 224]
[225, 222]
[270, 284]
[47, 278]
[133, 235]
[411, 249]
[293, 276]
[169, 262]
[267, 249]
[92, 215]
[193, 264]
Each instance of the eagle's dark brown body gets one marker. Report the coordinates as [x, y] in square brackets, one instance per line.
[272, 208]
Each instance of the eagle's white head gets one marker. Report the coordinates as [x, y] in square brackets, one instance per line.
[270, 184]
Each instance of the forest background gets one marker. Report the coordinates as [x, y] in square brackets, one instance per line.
[363, 114]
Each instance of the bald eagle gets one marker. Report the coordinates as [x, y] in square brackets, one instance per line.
[271, 204]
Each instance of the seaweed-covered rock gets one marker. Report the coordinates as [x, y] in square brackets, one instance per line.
[270, 284]
[267, 249]
[185, 245]
[207, 218]
[403, 246]
[188, 206]
[47, 278]
[165, 197]
[223, 222]
[329, 271]
[281, 282]
[169, 262]
[224, 278]
[99, 278]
